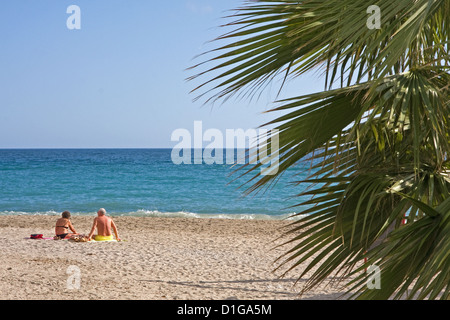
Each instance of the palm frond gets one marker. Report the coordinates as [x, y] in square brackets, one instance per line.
[378, 144]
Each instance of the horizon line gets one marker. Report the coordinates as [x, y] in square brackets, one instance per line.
[80, 148]
[104, 148]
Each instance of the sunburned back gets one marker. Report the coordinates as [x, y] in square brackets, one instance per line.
[104, 226]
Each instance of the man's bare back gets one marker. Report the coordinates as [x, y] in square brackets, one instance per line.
[103, 224]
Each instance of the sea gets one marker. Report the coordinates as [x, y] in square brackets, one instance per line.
[137, 182]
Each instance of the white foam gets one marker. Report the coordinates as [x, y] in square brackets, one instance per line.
[159, 214]
[24, 213]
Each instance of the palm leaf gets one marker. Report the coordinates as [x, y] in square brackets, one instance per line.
[378, 145]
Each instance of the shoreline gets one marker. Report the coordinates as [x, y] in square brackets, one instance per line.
[158, 214]
[161, 259]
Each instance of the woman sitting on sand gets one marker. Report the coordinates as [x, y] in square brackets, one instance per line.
[63, 225]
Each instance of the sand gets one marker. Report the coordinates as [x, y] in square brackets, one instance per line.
[161, 259]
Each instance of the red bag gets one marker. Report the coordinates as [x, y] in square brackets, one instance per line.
[36, 236]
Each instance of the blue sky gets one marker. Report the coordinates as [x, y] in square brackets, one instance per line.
[119, 82]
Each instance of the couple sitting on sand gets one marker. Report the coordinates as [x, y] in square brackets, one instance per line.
[102, 223]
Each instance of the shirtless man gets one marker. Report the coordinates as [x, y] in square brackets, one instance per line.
[103, 225]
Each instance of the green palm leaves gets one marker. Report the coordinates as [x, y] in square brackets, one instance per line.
[377, 137]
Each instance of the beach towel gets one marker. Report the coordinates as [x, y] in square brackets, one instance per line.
[77, 238]
[97, 238]
[103, 238]
[38, 237]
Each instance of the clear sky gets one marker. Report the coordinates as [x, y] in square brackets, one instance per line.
[119, 81]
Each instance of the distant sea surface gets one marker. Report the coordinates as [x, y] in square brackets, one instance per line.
[133, 182]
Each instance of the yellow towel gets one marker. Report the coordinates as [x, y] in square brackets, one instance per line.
[103, 238]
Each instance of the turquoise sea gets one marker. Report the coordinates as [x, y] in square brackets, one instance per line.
[133, 182]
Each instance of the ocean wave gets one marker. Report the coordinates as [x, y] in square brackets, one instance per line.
[28, 213]
[159, 214]
[236, 216]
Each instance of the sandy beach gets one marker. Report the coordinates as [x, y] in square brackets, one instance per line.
[161, 259]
